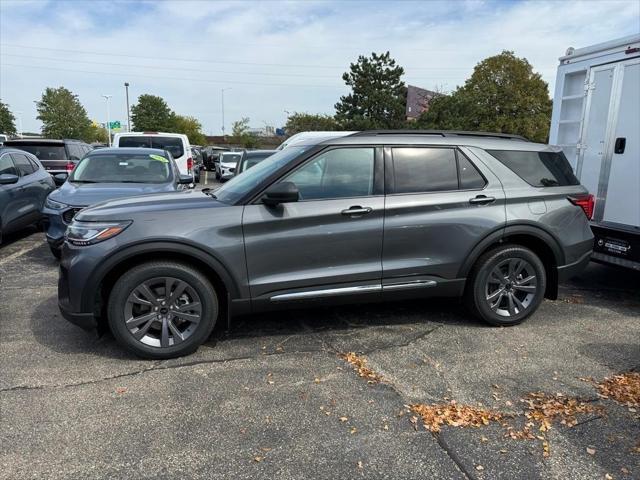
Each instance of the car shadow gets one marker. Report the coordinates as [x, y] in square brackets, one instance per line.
[10, 238]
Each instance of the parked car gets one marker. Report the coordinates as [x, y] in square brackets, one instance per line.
[56, 156]
[176, 143]
[596, 121]
[493, 218]
[227, 164]
[24, 186]
[211, 155]
[106, 174]
[3, 138]
[251, 158]
[197, 163]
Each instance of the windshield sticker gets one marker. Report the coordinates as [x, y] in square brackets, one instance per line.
[159, 158]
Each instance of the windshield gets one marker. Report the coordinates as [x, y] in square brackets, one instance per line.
[44, 152]
[172, 144]
[121, 168]
[238, 186]
[230, 158]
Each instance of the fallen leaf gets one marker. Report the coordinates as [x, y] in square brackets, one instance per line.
[343, 419]
[479, 468]
[591, 451]
[353, 430]
[258, 458]
[608, 477]
[360, 464]
[360, 365]
[120, 390]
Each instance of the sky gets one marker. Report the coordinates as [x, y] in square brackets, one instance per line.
[273, 57]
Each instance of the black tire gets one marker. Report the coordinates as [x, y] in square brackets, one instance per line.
[55, 251]
[197, 284]
[505, 302]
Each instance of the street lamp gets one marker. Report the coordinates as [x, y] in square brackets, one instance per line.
[107, 98]
[222, 91]
[19, 114]
[126, 88]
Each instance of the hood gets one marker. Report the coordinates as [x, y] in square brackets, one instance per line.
[83, 194]
[124, 209]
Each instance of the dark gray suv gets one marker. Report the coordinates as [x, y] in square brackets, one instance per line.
[371, 216]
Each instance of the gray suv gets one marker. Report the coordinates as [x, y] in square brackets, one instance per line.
[382, 215]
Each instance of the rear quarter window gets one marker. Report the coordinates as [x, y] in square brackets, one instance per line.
[539, 169]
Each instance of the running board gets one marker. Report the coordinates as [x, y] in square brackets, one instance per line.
[336, 292]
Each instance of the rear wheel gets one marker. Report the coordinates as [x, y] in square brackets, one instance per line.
[162, 310]
[507, 285]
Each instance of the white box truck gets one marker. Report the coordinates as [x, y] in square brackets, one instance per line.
[596, 121]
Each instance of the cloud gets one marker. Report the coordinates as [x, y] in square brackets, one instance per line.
[275, 55]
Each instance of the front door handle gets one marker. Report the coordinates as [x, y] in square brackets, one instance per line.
[357, 210]
[621, 143]
[481, 200]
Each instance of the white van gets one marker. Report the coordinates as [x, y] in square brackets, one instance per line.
[596, 121]
[176, 143]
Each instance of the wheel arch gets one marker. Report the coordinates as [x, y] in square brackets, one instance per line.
[100, 284]
[537, 239]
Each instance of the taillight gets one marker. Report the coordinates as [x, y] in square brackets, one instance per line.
[70, 166]
[586, 202]
[189, 164]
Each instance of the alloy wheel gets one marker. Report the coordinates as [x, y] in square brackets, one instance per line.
[162, 311]
[511, 287]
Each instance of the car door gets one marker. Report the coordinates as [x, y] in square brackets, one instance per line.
[329, 243]
[439, 205]
[29, 189]
[10, 197]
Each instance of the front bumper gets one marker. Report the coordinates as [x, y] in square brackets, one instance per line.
[84, 320]
[565, 272]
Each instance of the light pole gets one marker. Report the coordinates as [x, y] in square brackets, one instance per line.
[126, 88]
[19, 124]
[222, 91]
[107, 98]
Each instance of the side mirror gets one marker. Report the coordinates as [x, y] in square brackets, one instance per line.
[283, 192]
[60, 178]
[8, 179]
[185, 179]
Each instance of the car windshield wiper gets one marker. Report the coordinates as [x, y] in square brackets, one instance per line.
[208, 191]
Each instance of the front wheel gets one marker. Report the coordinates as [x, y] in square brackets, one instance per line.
[162, 310]
[507, 285]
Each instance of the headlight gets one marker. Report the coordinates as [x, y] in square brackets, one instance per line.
[87, 233]
[53, 205]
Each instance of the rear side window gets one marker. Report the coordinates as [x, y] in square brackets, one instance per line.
[424, 170]
[23, 164]
[7, 166]
[539, 169]
[470, 178]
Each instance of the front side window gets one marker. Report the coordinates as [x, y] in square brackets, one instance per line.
[338, 173]
[539, 169]
[24, 165]
[424, 169]
[121, 168]
[6, 166]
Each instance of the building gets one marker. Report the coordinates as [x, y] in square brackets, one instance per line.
[417, 101]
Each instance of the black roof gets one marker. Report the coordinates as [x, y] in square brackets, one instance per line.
[440, 133]
[31, 141]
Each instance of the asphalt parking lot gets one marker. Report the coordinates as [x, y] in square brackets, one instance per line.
[272, 398]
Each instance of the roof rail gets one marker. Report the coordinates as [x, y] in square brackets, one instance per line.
[441, 133]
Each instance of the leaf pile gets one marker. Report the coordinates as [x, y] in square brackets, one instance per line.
[623, 388]
[434, 416]
[544, 409]
[360, 365]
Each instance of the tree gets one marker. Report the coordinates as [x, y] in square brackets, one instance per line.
[62, 115]
[378, 97]
[7, 120]
[241, 135]
[503, 94]
[191, 127]
[152, 113]
[97, 134]
[308, 122]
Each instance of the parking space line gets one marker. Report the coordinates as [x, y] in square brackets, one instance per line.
[19, 253]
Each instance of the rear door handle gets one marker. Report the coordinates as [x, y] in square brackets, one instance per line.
[357, 210]
[621, 143]
[481, 200]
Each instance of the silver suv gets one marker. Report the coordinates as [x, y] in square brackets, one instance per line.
[371, 216]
